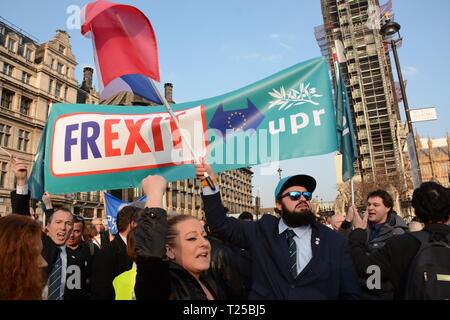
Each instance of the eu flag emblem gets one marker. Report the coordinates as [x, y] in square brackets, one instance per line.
[242, 119]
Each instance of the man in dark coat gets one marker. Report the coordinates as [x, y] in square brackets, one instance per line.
[103, 235]
[112, 260]
[431, 202]
[225, 268]
[294, 257]
[383, 224]
[81, 255]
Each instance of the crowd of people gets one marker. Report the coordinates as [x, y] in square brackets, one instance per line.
[372, 254]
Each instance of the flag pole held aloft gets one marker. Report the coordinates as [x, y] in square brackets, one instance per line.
[126, 49]
[174, 118]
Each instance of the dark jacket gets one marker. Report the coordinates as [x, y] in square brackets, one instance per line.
[109, 262]
[393, 226]
[104, 238]
[225, 268]
[345, 229]
[329, 275]
[20, 203]
[245, 267]
[394, 258]
[82, 258]
[157, 278]
[49, 253]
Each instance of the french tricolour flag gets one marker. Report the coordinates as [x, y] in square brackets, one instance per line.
[125, 49]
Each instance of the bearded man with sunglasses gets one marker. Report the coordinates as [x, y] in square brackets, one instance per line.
[294, 257]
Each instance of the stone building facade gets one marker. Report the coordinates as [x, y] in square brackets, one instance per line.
[434, 159]
[32, 76]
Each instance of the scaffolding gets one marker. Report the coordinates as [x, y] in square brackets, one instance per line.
[369, 79]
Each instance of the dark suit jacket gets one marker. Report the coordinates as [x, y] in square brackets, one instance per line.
[83, 258]
[329, 275]
[104, 238]
[20, 203]
[49, 253]
[109, 262]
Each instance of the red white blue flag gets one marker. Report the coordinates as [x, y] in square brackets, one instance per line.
[125, 49]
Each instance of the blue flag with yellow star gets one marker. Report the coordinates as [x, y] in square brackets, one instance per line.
[100, 147]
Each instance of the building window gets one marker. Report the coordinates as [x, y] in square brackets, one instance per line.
[3, 173]
[26, 77]
[7, 69]
[58, 89]
[50, 86]
[61, 48]
[59, 67]
[88, 212]
[99, 213]
[174, 199]
[189, 200]
[182, 202]
[11, 44]
[28, 54]
[5, 133]
[166, 199]
[23, 140]
[25, 105]
[65, 93]
[7, 97]
[198, 202]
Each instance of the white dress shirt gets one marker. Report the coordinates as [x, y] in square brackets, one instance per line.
[302, 242]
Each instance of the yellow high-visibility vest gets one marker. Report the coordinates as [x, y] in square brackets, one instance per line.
[124, 285]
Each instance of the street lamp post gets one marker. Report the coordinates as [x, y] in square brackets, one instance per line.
[388, 29]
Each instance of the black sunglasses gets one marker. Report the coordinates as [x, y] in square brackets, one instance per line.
[296, 195]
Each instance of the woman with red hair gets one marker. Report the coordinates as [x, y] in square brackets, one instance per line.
[21, 262]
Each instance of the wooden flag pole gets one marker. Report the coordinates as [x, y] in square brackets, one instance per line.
[169, 110]
[187, 143]
[353, 191]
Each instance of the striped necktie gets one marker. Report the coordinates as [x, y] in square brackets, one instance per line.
[290, 234]
[54, 281]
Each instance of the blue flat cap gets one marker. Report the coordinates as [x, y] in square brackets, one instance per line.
[302, 180]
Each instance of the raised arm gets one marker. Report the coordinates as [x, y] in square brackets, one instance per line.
[47, 200]
[20, 197]
[230, 229]
[152, 280]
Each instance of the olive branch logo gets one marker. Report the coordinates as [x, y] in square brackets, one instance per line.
[293, 97]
